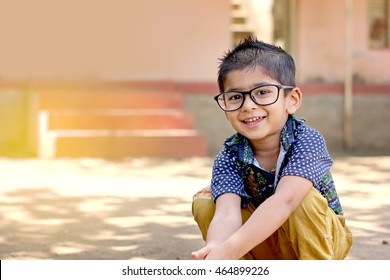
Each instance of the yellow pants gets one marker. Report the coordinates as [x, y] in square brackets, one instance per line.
[312, 232]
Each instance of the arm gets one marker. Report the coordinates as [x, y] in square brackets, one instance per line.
[227, 220]
[266, 219]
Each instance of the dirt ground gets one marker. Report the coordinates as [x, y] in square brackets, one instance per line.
[141, 208]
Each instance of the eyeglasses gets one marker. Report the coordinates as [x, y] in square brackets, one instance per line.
[262, 95]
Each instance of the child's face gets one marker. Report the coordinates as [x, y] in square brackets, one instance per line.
[259, 123]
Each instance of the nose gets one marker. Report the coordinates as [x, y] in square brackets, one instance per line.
[248, 104]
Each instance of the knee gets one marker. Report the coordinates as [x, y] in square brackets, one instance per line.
[313, 204]
[203, 208]
[203, 205]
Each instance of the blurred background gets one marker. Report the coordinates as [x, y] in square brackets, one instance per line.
[108, 123]
[124, 78]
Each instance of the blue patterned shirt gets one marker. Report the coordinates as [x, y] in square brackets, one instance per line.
[302, 153]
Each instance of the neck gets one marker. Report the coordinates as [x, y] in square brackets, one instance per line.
[267, 153]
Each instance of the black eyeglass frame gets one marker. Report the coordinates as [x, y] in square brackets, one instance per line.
[279, 87]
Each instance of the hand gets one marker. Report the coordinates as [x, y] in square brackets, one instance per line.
[220, 252]
[217, 252]
[201, 254]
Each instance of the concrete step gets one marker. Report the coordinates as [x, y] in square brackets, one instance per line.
[120, 119]
[85, 100]
[179, 143]
[116, 124]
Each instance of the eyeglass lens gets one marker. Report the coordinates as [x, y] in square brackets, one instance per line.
[264, 95]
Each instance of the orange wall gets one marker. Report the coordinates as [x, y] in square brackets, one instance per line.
[112, 39]
[372, 65]
[167, 40]
[320, 44]
[320, 40]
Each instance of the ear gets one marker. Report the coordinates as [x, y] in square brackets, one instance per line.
[294, 100]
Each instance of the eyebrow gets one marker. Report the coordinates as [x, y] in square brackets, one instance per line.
[237, 89]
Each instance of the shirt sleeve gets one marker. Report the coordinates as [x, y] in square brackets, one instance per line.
[225, 176]
[309, 158]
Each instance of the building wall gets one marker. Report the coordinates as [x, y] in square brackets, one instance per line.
[320, 44]
[168, 40]
[320, 40]
[112, 39]
[369, 65]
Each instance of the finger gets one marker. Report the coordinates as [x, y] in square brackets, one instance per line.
[195, 256]
[200, 254]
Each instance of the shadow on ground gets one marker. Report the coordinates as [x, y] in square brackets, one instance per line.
[364, 188]
[41, 224]
[141, 209]
[371, 232]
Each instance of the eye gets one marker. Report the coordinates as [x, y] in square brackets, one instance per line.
[260, 93]
[233, 96]
[263, 91]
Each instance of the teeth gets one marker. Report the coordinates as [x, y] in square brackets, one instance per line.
[251, 120]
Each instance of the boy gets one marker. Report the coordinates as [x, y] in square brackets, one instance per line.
[272, 194]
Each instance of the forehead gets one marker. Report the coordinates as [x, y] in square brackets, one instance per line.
[246, 79]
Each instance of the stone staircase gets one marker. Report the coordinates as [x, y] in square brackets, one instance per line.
[116, 124]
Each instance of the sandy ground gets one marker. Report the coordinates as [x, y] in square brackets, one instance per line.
[141, 208]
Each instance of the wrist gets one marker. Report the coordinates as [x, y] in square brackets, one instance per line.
[233, 249]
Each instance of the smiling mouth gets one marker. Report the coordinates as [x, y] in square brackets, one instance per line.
[253, 121]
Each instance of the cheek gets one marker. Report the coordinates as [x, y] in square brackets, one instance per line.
[284, 106]
[230, 116]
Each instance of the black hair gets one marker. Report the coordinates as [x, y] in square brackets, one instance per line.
[272, 60]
